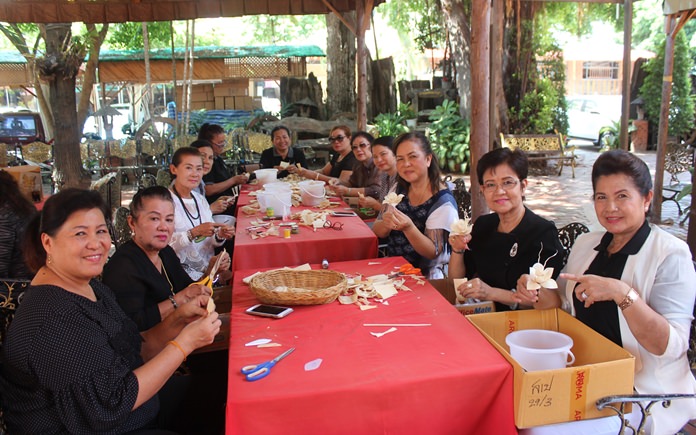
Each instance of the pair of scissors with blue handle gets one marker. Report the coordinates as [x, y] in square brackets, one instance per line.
[260, 371]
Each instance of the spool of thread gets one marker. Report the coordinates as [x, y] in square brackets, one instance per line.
[286, 233]
[324, 263]
[270, 212]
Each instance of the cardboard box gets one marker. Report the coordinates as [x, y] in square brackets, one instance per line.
[476, 308]
[29, 180]
[553, 396]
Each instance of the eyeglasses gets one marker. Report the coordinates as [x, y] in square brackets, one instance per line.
[220, 144]
[338, 226]
[338, 138]
[506, 185]
[360, 145]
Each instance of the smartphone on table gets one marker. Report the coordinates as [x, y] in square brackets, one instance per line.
[269, 311]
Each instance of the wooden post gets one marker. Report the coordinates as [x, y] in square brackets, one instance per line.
[363, 12]
[670, 30]
[626, 75]
[480, 97]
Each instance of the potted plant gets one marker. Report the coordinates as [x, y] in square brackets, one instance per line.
[406, 112]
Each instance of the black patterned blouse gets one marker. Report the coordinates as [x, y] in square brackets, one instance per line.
[67, 365]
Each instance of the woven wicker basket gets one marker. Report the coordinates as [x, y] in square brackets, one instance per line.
[311, 287]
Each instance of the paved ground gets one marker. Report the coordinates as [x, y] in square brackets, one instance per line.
[564, 199]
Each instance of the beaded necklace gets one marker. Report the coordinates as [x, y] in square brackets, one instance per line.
[189, 216]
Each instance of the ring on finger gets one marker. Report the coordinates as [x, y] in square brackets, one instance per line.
[469, 285]
[583, 295]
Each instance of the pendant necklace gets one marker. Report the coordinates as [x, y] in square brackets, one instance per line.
[164, 270]
[189, 216]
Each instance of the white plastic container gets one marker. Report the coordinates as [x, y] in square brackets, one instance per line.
[312, 192]
[277, 186]
[280, 202]
[540, 349]
[266, 175]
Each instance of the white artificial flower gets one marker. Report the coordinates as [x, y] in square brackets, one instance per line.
[540, 277]
[393, 199]
[461, 227]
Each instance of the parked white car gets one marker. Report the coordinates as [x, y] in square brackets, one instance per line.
[587, 114]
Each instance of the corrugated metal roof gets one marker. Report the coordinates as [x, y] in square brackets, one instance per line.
[11, 56]
[282, 51]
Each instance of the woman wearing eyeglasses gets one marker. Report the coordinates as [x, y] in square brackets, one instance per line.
[220, 180]
[418, 226]
[340, 168]
[506, 243]
[365, 177]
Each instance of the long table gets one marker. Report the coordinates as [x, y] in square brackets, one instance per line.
[439, 379]
[355, 241]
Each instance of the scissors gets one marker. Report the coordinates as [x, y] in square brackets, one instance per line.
[260, 371]
[366, 211]
[406, 269]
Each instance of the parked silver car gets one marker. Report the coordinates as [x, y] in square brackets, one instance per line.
[587, 114]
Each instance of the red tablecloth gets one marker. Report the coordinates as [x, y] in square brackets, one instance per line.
[356, 241]
[244, 198]
[439, 379]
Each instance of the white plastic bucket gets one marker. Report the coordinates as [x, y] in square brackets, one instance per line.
[312, 192]
[539, 349]
[266, 175]
[280, 202]
[277, 186]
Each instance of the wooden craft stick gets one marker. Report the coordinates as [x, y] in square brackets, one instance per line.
[396, 324]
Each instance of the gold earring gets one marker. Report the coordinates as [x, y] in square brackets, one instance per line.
[49, 260]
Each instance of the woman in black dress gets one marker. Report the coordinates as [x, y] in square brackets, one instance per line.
[72, 361]
[283, 151]
[503, 245]
[340, 168]
[15, 211]
[145, 273]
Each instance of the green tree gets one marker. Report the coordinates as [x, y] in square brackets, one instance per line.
[129, 36]
[681, 110]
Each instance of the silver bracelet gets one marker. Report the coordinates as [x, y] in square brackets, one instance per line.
[173, 301]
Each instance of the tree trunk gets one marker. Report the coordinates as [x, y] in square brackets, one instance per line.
[457, 21]
[500, 122]
[383, 86]
[480, 97]
[89, 78]
[340, 65]
[59, 67]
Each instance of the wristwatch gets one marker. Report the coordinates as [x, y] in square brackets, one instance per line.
[630, 298]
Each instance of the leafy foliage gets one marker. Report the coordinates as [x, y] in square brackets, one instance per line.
[449, 137]
[279, 29]
[129, 36]
[537, 110]
[390, 124]
[536, 91]
[681, 110]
